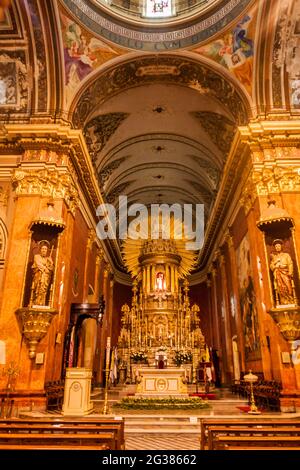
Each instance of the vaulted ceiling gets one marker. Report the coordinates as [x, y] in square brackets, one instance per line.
[156, 149]
[159, 124]
[163, 136]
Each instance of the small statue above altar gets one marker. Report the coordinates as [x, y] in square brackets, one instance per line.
[160, 282]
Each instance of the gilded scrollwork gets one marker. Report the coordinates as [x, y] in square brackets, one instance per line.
[127, 75]
[47, 183]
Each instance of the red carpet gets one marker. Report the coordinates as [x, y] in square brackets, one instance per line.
[207, 396]
[245, 409]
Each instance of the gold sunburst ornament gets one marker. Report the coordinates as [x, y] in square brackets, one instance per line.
[168, 240]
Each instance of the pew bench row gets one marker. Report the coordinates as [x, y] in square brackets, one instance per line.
[103, 433]
[220, 434]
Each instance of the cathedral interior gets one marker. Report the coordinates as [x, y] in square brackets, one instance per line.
[144, 103]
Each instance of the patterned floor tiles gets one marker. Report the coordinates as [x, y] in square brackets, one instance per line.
[162, 442]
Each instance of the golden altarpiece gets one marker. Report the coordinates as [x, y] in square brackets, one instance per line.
[161, 329]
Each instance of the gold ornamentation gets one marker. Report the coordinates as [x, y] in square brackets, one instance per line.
[133, 249]
[11, 372]
[48, 156]
[35, 322]
[273, 215]
[288, 322]
[46, 183]
[248, 195]
[161, 319]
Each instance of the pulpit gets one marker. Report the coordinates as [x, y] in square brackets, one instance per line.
[77, 392]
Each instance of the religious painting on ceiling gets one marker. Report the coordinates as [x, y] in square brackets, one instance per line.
[13, 81]
[235, 50]
[286, 54]
[248, 301]
[83, 53]
[8, 85]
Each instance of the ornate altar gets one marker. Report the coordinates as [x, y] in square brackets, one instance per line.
[160, 322]
[161, 383]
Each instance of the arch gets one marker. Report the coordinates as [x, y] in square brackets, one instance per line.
[181, 70]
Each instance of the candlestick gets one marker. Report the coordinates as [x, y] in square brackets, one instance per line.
[107, 370]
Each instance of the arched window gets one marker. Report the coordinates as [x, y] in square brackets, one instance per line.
[159, 8]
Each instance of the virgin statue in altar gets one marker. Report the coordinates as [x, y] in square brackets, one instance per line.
[160, 281]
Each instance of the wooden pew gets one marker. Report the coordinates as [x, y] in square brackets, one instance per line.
[68, 425]
[257, 442]
[243, 422]
[65, 429]
[38, 440]
[12, 446]
[215, 432]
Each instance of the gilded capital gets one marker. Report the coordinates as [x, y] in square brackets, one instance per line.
[249, 194]
[91, 238]
[99, 256]
[47, 183]
[229, 239]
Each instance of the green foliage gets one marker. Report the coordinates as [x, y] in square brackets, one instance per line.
[162, 403]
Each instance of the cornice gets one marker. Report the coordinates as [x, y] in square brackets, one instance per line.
[57, 138]
[269, 134]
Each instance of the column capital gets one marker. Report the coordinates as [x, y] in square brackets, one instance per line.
[99, 255]
[212, 270]
[91, 238]
[229, 239]
[47, 182]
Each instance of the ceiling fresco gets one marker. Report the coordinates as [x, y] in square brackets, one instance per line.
[235, 49]
[83, 53]
[158, 37]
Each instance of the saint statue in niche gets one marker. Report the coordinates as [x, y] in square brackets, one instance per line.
[43, 268]
[160, 282]
[282, 267]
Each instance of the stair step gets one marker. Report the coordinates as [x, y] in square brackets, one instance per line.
[140, 431]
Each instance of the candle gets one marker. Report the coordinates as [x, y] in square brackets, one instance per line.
[108, 343]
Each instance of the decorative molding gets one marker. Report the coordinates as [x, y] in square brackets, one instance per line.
[276, 180]
[117, 191]
[47, 183]
[60, 139]
[14, 74]
[220, 129]
[107, 171]
[145, 37]
[99, 130]
[212, 172]
[91, 238]
[191, 73]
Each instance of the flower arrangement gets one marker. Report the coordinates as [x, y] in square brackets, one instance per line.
[139, 356]
[182, 357]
